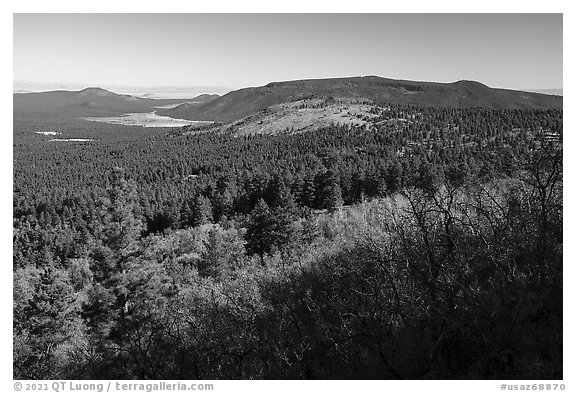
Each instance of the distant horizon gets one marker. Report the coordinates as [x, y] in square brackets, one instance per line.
[509, 51]
[176, 91]
[167, 92]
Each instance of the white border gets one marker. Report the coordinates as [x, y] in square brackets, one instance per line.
[180, 6]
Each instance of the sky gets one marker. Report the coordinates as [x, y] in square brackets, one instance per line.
[515, 51]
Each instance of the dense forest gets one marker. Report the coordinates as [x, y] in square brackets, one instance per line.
[425, 244]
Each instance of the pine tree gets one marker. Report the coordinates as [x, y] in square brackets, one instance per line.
[224, 205]
[119, 243]
[201, 211]
[47, 323]
[270, 229]
[186, 214]
[121, 228]
[334, 200]
[258, 235]
[394, 177]
[332, 191]
[308, 196]
[285, 201]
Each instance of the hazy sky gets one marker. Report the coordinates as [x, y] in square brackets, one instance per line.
[515, 51]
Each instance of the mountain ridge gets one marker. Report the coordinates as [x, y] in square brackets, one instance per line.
[461, 94]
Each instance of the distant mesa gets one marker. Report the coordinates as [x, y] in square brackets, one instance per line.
[181, 95]
[95, 92]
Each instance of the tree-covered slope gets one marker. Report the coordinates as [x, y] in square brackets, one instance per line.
[462, 94]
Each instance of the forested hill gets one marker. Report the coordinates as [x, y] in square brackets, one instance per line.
[462, 94]
[89, 101]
